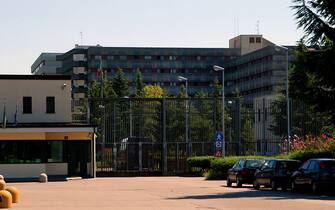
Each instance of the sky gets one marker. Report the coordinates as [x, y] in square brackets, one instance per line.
[28, 28]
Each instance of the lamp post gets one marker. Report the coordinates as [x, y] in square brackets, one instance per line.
[219, 68]
[287, 95]
[181, 79]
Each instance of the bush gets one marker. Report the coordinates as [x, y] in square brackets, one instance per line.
[214, 168]
[304, 155]
[202, 162]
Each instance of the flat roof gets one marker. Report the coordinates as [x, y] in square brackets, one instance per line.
[33, 77]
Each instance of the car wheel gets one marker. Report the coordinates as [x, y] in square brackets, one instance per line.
[273, 185]
[238, 182]
[256, 185]
[228, 182]
[315, 187]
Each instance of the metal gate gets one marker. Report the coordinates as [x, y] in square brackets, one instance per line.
[157, 135]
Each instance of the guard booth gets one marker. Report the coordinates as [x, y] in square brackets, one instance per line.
[64, 151]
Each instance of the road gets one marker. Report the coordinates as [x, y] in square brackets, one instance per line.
[160, 193]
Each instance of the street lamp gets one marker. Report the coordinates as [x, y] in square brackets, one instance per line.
[278, 48]
[181, 79]
[219, 68]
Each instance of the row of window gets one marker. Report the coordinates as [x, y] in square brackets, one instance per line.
[166, 71]
[158, 57]
[28, 105]
[252, 77]
[250, 63]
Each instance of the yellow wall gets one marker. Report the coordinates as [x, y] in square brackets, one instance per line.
[47, 136]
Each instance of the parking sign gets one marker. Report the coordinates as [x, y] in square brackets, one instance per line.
[219, 141]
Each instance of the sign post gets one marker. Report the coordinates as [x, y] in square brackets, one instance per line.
[219, 144]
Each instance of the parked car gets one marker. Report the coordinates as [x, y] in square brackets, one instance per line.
[243, 172]
[314, 174]
[275, 173]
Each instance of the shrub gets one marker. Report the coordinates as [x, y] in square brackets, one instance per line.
[304, 155]
[203, 162]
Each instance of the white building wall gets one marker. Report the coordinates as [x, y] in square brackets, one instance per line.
[13, 91]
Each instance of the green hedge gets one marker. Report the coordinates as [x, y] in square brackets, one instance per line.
[216, 168]
[304, 155]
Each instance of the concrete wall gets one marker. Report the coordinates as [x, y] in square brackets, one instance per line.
[13, 91]
[32, 170]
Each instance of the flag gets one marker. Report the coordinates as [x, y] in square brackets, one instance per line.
[4, 117]
[15, 117]
[101, 72]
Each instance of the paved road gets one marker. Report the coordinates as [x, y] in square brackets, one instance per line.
[160, 193]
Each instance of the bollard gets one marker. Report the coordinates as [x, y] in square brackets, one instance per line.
[43, 178]
[15, 194]
[5, 199]
[2, 185]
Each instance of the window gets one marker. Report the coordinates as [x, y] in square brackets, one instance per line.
[79, 57]
[55, 151]
[258, 39]
[252, 40]
[147, 57]
[123, 57]
[27, 105]
[50, 105]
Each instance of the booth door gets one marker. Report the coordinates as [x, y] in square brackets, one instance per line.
[78, 157]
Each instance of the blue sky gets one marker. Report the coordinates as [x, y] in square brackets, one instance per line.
[28, 28]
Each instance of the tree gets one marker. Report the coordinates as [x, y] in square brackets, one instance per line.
[153, 91]
[94, 90]
[120, 84]
[139, 84]
[217, 88]
[316, 18]
[182, 92]
[312, 77]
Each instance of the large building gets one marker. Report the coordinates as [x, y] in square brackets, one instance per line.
[254, 66]
[37, 134]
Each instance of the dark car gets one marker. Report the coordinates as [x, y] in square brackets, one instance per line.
[314, 174]
[275, 173]
[243, 172]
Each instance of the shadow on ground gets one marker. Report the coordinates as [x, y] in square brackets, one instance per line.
[267, 194]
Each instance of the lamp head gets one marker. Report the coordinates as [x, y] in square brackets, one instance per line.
[218, 68]
[180, 78]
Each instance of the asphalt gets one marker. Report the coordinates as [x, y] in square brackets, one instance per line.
[160, 193]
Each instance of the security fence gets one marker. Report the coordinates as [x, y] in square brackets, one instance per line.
[157, 135]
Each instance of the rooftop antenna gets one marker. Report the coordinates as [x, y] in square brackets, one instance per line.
[81, 38]
[257, 27]
[238, 27]
[234, 26]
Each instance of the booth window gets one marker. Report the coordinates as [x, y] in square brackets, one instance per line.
[50, 102]
[27, 105]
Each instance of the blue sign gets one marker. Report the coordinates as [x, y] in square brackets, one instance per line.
[219, 141]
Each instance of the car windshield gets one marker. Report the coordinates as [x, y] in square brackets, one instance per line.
[327, 164]
[253, 163]
[288, 165]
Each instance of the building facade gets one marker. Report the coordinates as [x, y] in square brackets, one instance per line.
[37, 134]
[253, 67]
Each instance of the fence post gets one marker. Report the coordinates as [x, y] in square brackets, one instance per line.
[238, 125]
[163, 110]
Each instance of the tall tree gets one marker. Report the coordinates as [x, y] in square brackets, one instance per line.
[182, 92]
[120, 84]
[316, 18]
[312, 77]
[139, 84]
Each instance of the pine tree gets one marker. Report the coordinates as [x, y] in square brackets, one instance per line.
[120, 84]
[139, 84]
